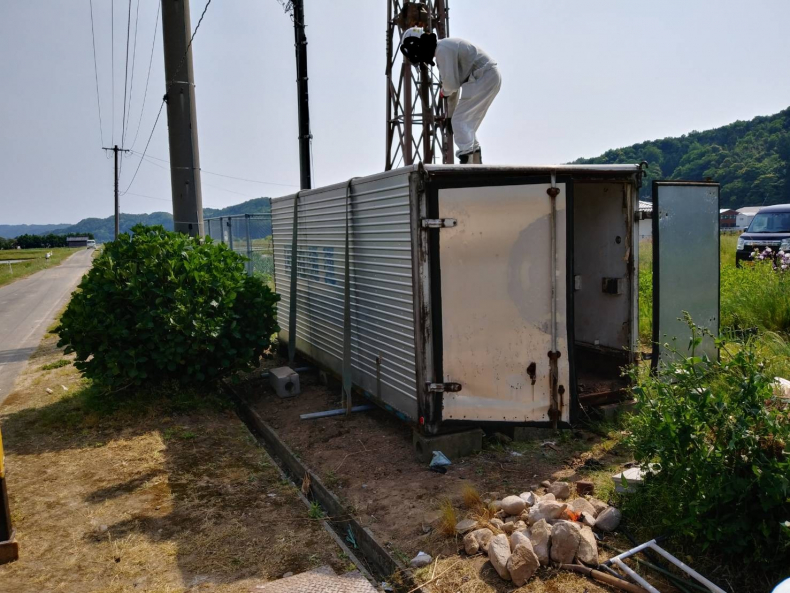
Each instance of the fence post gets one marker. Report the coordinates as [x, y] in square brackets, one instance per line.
[249, 245]
[230, 232]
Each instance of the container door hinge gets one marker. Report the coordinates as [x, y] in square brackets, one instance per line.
[438, 223]
[444, 387]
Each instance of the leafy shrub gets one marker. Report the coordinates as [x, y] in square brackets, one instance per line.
[719, 439]
[159, 305]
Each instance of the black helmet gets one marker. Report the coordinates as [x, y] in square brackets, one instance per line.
[418, 47]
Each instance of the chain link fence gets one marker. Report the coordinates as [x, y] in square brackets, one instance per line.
[251, 236]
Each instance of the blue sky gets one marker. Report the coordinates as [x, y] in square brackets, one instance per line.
[579, 77]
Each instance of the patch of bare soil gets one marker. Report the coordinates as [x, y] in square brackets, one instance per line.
[368, 461]
[163, 496]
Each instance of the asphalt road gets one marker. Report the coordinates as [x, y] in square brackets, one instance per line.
[28, 307]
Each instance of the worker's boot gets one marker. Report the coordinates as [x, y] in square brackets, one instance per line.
[471, 158]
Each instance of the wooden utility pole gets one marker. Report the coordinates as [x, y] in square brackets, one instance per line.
[302, 96]
[182, 119]
[116, 150]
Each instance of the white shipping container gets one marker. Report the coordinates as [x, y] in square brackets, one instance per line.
[473, 300]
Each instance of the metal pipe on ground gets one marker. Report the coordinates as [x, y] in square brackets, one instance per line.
[602, 577]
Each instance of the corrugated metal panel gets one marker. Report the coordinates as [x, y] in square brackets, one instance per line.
[382, 313]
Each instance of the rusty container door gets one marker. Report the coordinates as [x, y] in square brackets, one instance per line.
[496, 303]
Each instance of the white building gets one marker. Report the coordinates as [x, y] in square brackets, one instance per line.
[645, 224]
[745, 215]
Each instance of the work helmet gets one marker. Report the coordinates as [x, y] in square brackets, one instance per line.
[418, 46]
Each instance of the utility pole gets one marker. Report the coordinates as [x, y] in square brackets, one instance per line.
[303, 100]
[116, 150]
[182, 119]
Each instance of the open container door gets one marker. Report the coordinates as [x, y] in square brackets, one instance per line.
[496, 303]
[685, 265]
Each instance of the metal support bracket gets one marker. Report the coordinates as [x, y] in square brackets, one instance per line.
[443, 387]
[439, 223]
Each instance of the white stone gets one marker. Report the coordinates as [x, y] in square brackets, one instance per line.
[608, 520]
[581, 505]
[561, 490]
[477, 540]
[547, 497]
[498, 523]
[420, 560]
[549, 510]
[545, 483]
[465, 525]
[540, 536]
[519, 525]
[529, 498]
[509, 528]
[519, 537]
[513, 505]
[588, 547]
[588, 519]
[522, 564]
[598, 505]
[565, 539]
[499, 554]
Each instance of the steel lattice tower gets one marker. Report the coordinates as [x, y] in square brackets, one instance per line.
[416, 129]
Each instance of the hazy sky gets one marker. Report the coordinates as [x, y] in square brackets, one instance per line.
[579, 77]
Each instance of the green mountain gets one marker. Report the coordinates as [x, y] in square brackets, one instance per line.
[103, 229]
[751, 160]
[9, 231]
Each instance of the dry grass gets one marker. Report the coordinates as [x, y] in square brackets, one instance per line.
[476, 575]
[144, 495]
[447, 517]
[471, 498]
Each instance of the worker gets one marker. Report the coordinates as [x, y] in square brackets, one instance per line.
[465, 70]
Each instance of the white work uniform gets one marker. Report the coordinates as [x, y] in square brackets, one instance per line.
[468, 69]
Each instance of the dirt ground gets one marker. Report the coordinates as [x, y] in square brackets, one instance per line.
[368, 461]
[144, 495]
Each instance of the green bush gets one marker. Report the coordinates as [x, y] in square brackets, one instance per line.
[159, 305]
[718, 437]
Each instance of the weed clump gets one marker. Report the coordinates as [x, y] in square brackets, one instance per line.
[718, 437]
[447, 517]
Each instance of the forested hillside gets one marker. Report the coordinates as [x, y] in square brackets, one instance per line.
[103, 229]
[751, 160]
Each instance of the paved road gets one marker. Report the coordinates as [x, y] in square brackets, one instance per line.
[28, 307]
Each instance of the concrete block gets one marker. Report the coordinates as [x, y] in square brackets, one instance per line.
[613, 411]
[533, 433]
[453, 445]
[285, 382]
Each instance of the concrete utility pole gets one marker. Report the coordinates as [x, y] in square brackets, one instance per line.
[182, 119]
[303, 99]
[116, 150]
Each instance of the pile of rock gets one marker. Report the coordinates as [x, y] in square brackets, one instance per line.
[532, 530]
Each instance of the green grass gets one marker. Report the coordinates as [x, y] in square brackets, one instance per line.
[752, 297]
[56, 365]
[35, 261]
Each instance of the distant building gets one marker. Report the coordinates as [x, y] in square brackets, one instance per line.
[645, 219]
[76, 241]
[745, 215]
[728, 218]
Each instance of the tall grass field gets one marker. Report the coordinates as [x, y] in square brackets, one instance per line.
[752, 297]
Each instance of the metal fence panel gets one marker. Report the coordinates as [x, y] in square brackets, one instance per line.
[249, 235]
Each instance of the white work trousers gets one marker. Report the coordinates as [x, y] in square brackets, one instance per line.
[477, 94]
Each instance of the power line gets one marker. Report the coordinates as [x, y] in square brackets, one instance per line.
[151, 135]
[126, 72]
[147, 78]
[134, 61]
[202, 170]
[96, 74]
